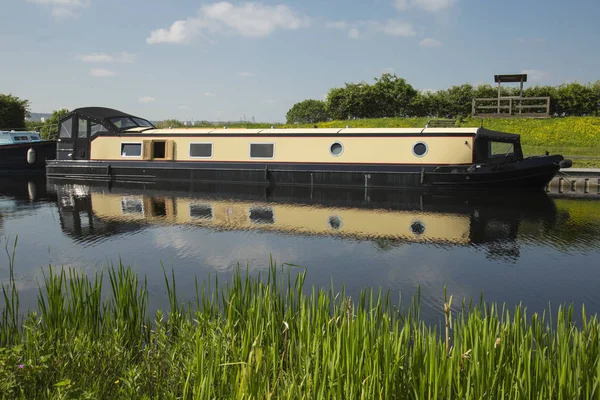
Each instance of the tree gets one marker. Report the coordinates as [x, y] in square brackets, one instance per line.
[49, 129]
[307, 112]
[336, 103]
[13, 112]
[596, 97]
[393, 97]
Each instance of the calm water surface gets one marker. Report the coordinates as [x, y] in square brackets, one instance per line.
[512, 248]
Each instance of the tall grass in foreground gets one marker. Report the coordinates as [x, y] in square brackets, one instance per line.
[269, 337]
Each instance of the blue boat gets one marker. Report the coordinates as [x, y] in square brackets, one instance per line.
[25, 150]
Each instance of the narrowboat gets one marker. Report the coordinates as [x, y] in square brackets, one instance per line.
[106, 144]
[24, 150]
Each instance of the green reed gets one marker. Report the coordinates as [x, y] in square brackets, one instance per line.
[268, 336]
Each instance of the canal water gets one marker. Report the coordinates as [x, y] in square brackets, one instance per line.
[508, 247]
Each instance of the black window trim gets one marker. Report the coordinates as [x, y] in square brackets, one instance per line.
[71, 122]
[207, 206]
[261, 158]
[261, 209]
[212, 150]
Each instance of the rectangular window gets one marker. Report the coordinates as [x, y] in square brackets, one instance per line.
[65, 128]
[123, 122]
[262, 150]
[96, 128]
[143, 122]
[201, 211]
[501, 149]
[131, 149]
[201, 150]
[132, 205]
[82, 128]
[262, 215]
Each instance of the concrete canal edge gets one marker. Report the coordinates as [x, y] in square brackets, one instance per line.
[576, 182]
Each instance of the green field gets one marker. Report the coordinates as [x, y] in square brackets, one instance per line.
[269, 337]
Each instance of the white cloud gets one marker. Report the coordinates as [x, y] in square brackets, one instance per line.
[427, 5]
[536, 74]
[102, 72]
[209, 94]
[63, 8]
[61, 12]
[122, 57]
[354, 33]
[180, 32]
[359, 29]
[428, 42]
[146, 99]
[246, 74]
[393, 28]
[247, 19]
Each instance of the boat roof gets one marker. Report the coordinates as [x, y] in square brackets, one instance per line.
[102, 115]
[480, 132]
[19, 132]
[99, 113]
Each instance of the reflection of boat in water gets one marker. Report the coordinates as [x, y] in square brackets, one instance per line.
[386, 217]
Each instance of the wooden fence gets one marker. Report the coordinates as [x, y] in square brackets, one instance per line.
[512, 106]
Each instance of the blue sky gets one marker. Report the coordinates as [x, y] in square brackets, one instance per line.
[217, 60]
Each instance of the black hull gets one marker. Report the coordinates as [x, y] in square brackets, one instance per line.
[13, 157]
[532, 173]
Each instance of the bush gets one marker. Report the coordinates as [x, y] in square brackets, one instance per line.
[307, 112]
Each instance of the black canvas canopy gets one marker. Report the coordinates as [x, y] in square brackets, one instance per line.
[100, 112]
[484, 143]
[496, 136]
[107, 117]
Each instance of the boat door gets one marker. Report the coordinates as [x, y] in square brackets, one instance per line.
[81, 136]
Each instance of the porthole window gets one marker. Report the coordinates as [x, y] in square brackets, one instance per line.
[420, 149]
[336, 149]
[417, 227]
[335, 222]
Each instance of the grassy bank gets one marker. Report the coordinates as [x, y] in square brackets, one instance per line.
[265, 338]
